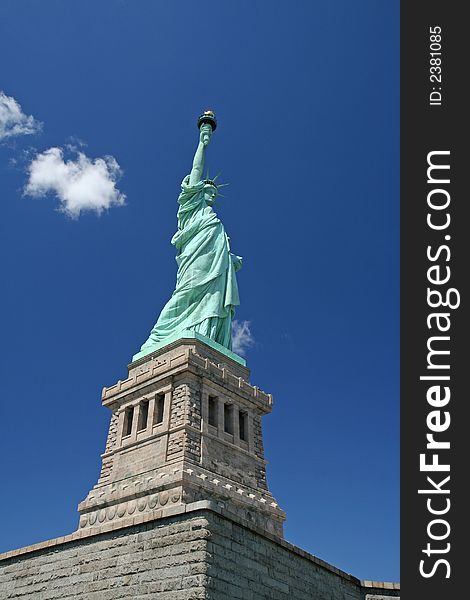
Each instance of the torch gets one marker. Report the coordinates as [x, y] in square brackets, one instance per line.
[207, 118]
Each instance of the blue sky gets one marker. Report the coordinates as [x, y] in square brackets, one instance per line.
[306, 95]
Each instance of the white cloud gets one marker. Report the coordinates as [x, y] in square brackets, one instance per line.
[80, 185]
[13, 121]
[242, 338]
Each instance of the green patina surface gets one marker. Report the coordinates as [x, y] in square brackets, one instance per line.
[192, 335]
[206, 291]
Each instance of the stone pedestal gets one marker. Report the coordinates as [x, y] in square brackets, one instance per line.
[185, 427]
[181, 509]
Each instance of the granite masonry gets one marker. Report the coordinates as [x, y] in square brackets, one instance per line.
[182, 509]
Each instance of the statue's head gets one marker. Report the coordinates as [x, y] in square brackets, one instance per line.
[210, 191]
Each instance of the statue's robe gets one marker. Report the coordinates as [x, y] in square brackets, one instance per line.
[206, 292]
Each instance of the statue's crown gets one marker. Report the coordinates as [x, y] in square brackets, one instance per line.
[209, 181]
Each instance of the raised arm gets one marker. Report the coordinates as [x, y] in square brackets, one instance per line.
[198, 162]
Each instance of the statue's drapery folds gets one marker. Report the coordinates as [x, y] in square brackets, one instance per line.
[206, 291]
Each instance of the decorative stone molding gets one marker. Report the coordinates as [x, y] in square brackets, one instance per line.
[188, 359]
[129, 508]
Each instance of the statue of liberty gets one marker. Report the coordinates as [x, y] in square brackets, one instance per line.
[206, 291]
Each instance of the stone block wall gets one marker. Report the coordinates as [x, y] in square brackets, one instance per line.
[162, 559]
[107, 464]
[244, 565]
[258, 437]
[202, 552]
